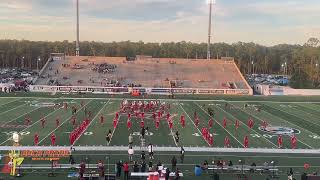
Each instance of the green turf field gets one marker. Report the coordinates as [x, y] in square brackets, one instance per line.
[293, 115]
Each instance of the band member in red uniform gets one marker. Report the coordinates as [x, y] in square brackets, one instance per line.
[142, 115]
[264, 124]
[157, 123]
[53, 139]
[210, 123]
[211, 140]
[43, 121]
[57, 122]
[36, 139]
[114, 123]
[159, 114]
[142, 123]
[280, 141]
[27, 120]
[129, 124]
[183, 121]
[73, 120]
[154, 115]
[129, 116]
[293, 142]
[168, 116]
[197, 121]
[65, 106]
[117, 115]
[101, 119]
[246, 142]
[250, 123]
[224, 122]
[226, 142]
[170, 124]
[237, 124]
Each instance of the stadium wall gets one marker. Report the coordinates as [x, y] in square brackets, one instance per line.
[142, 90]
[268, 90]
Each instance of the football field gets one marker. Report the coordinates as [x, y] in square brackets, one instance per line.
[285, 118]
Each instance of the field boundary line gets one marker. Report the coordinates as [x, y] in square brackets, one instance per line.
[220, 125]
[272, 115]
[168, 149]
[62, 123]
[95, 117]
[193, 123]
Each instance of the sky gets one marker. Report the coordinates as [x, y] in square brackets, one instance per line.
[267, 22]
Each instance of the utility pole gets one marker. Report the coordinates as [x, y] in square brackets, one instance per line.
[77, 42]
[211, 2]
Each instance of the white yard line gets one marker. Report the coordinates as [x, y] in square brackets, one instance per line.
[114, 129]
[278, 117]
[10, 102]
[14, 108]
[67, 119]
[103, 107]
[221, 125]
[33, 124]
[248, 126]
[22, 115]
[7, 122]
[293, 115]
[193, 124]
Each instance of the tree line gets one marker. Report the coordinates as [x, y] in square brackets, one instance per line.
[300, 61]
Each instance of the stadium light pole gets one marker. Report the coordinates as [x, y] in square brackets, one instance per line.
[77, 42]
[211, 3]
[38, 60]
[22, 62]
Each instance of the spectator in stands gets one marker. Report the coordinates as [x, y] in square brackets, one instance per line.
[135, 167]
[167, 174]
[143, 166]
[230, 163]
[150, 150]
[182, 151]
[119, 168]
[253, 167]
[177, 174]
[126, 170]
[150, 166]
[130, 153]
[159, 167]
[205, 165]
[101, 168]
[174, 163]
[143, 156]
[82, 169]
